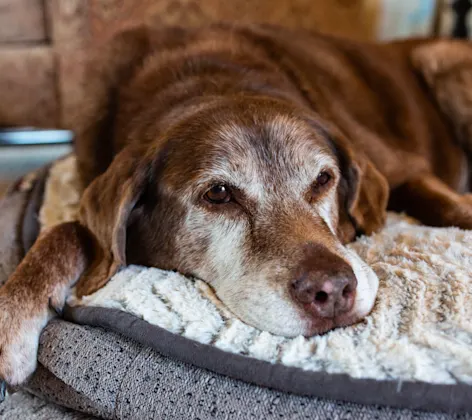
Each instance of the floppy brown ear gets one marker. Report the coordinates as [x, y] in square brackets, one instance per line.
[108, 201]
[106, 206]
[446, 67]
[108, 67]
[363, 194]
[97, 121]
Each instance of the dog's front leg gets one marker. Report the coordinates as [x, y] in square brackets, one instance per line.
[35, 292]
[432, 202]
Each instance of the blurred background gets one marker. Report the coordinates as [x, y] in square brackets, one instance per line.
[42, 43]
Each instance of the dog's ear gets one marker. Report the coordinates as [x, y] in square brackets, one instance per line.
[107, 68]
[362, 193]
[114, 184]
[105, 208]
[446, 67]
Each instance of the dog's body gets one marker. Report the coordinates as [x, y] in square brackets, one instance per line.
[247, 156]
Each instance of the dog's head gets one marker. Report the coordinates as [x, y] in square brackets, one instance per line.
[252, 195]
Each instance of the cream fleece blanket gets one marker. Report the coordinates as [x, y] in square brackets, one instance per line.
[420, 328]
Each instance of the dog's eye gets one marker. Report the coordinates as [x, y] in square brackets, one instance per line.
[323, 178]
[322, 181]
[219, 194]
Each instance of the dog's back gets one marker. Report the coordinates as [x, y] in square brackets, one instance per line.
[372, 93]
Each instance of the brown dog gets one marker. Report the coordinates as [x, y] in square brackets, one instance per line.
[247, 156]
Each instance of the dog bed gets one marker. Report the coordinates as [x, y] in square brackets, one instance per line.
[414, 350]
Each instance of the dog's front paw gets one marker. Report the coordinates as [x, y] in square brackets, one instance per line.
[21, 323]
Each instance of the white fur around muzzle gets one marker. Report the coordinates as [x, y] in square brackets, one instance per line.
[419, 329]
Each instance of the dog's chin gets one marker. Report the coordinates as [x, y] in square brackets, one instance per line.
[308, 327]
[299, 322]
[317, 325]
[296, 320]
[284, 319]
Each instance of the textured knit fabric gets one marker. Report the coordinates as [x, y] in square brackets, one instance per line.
[105, 374]
[24, 406]
[18, 220]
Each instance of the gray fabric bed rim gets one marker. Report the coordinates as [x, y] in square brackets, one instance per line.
[412, 395]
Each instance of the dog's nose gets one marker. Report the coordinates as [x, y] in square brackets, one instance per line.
[328, 295]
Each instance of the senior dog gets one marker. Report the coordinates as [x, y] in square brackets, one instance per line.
[247, 156]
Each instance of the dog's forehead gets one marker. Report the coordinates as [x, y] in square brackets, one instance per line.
[268, 151]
